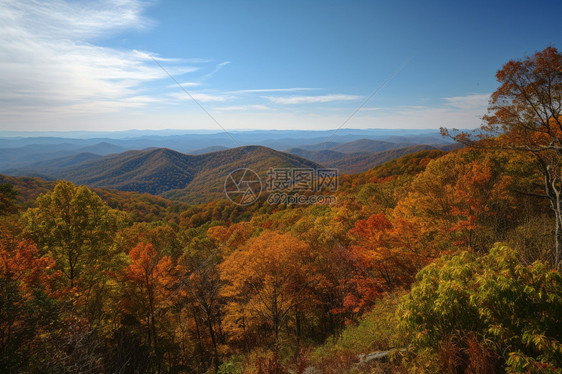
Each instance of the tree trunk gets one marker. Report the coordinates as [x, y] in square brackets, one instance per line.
[71, 270]
[558, 236]
[552, 184]
[214, 341]
[202, 357]
[298, 328]
[552, 179]
[275, 316]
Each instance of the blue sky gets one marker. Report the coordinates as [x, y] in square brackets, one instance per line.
[72, 65]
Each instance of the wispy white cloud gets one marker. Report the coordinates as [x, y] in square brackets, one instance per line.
[205, 98]
[216, 70]
[310, 99]
[370, 109]
[263, 90]
[49, 60]
[58, 19]
[185, 84]
[470, 101]
[201, 96]
[464, 111]
[243, 108]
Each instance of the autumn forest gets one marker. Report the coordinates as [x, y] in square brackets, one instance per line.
[439, 260]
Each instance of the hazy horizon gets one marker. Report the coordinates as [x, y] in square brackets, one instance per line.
[172, 131]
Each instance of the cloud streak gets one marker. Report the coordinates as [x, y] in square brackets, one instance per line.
[216, 70]
[237, 108]
[464, 111]
[201, 97]
[264, 90]
[467, 102]
[294, 100]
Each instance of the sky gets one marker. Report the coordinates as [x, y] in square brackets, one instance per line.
[105, 65]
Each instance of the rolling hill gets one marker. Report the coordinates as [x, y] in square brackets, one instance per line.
[139, 206]
[358, 162]
[363, 154]
[361, 162]
[173, 174]
[355, 146]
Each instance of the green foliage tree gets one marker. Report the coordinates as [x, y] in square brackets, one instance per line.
[75, 227]
[512, 312]
[7, 198]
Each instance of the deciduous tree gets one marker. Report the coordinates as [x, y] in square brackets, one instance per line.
[150, 279]
[525, 115]
[26, 309]
[265, 282]
[75, 227]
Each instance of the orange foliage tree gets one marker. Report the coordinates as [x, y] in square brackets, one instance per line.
[265, 282]
[149, 279]
[25, 309]
[384, 259]
[462, 198]
[525, 115]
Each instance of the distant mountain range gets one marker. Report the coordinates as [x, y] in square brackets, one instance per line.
[214, 148]
[195, 168]
[28, 154]
[18, 152]
[367, 145]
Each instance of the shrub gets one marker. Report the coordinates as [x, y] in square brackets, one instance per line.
[472, 311]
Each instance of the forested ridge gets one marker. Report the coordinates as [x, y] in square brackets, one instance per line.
[450, 260]
[165, 172]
